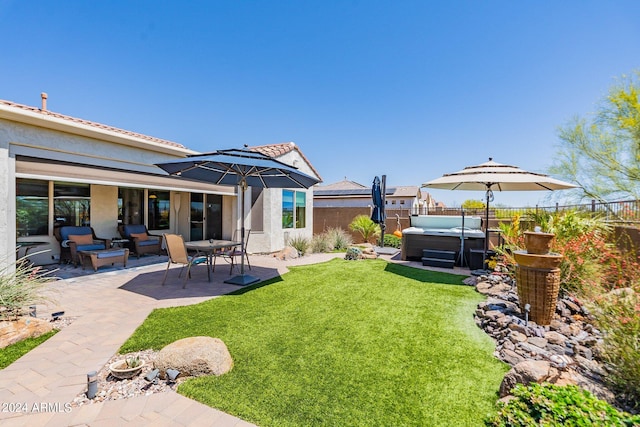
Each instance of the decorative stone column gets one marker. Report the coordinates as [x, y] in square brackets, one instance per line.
[538, 277]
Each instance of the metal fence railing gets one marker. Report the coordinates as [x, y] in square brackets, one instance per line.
[625, 212]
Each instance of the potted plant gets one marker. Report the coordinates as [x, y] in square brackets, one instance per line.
[127, 368]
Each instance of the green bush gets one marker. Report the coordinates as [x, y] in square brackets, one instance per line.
[551, 405]
[300, 243]
[368, 229]
[353, 253]
[392, 241]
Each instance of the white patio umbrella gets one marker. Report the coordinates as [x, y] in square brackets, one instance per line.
[492, 176]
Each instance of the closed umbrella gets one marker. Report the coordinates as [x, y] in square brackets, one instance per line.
[490, 176]
[243, 168]
[378, 214]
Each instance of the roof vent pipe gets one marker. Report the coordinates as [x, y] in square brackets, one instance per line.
[44, 96]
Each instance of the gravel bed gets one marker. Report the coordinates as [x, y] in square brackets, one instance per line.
[111, 388]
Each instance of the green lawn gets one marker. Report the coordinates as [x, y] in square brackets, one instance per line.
[13, 352]
[342, 343]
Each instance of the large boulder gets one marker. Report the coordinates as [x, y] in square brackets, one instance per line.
[12, 331]
[195, 356]
[527, 372]
[287, 253]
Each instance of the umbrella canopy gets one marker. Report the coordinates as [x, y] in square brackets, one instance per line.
[496, 176]
[243, 168]
[491, 176]
[239, 167]
[377, 215]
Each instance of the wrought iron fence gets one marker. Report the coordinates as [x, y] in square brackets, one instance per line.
[625, 212]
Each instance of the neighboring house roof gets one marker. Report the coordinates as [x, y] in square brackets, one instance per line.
[278, 150]
[345, 184]
[346, 189]
[89, 123]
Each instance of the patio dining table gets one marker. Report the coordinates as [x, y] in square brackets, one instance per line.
[210, 248]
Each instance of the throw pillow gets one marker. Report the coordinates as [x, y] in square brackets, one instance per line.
[81, 239]
[140, 236]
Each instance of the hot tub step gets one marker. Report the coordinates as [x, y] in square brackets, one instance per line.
[437, 254]
[438, 262]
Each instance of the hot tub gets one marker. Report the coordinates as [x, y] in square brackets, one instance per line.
[441, 232]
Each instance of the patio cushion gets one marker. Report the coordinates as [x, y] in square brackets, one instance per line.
[140, 236]
[130, 229]
[93, 247]
[149, 242]
[67, 230]
[111, 254]
[82, 239]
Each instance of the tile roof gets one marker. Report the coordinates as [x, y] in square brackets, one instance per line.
[277, 150]
[90, 123]
[345, 184]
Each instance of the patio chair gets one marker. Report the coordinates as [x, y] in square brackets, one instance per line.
[178, 255]
[74, 239]
[140, 240]
[232, 254]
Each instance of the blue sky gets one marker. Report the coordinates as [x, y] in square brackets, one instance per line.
[410, 89]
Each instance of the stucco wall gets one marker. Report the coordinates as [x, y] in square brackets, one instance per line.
[104, 210]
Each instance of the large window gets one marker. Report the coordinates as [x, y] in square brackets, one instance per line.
[159, 210]
[71, 203]
[130, 205]
[294, 209]
[32, 207]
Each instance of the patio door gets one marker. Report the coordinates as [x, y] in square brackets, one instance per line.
[196, 218]
[206, 216]
[213, 217]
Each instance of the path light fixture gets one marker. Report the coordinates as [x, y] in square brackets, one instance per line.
[172, 374]
[92, 384]
[57, 315]
[153, 376]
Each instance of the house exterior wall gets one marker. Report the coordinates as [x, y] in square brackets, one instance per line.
[39, 146]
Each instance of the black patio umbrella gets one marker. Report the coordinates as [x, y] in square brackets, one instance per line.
[243, 168]
[378, 214]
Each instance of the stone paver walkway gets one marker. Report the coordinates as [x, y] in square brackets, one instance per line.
[36, 389]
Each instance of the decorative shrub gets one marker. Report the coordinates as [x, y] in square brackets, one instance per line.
[618, 316]
[339, 239]
[368, 229]
[301, 244]
[320, 243]
[353, 253]
[392, 241]
[551, 405]
[21, 285]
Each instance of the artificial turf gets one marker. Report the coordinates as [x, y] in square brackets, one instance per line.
[342, 343]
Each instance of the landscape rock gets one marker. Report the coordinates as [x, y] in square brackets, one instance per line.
[12, 331]
[525, 373]
[566, 351]
[195, 356]
[287, 253]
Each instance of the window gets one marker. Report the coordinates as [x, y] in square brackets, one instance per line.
[158, 210]
[294, 209]
[71, 203]
[301, 203]
[130, 204]
[32, 207]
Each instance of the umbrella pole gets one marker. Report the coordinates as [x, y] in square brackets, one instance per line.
[242, 279]
[486, 229]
